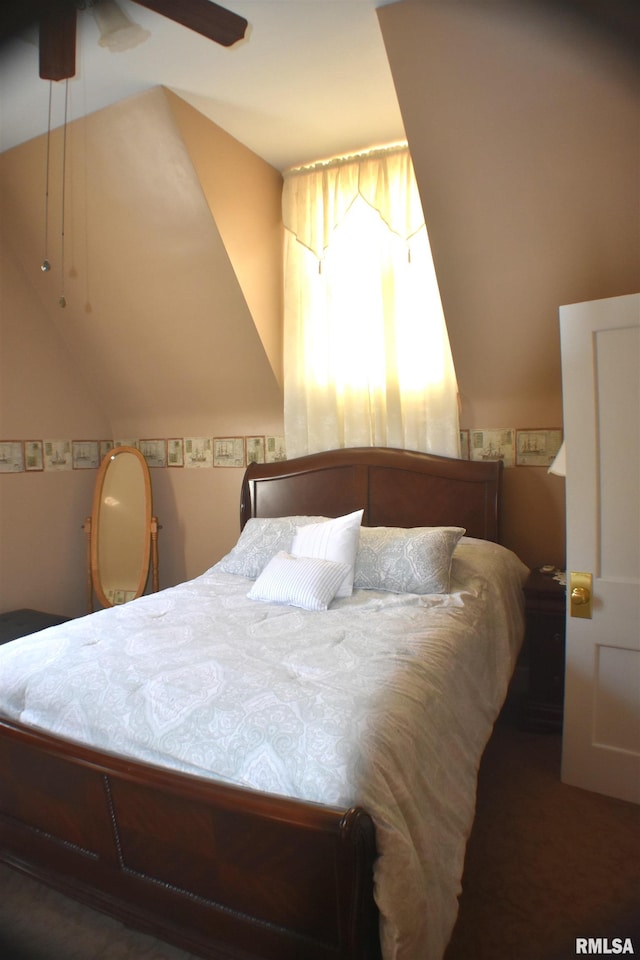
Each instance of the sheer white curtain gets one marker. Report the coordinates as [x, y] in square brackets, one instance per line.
[367, 357]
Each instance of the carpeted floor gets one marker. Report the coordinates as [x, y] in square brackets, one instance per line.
[546, 863]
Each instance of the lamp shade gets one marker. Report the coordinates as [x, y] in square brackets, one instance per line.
[559, 465]
[117, 31]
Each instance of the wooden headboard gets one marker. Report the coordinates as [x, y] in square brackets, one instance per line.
[396, 488]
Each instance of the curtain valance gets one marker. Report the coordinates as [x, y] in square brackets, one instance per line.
[316, 199]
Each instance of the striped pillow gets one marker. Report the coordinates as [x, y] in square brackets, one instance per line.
[307, 582]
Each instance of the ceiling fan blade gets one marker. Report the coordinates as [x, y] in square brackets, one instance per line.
[17, 17]
[206, 18]
[57, 40]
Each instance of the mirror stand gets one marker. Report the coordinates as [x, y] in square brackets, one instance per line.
[155, 576]
[121, 534]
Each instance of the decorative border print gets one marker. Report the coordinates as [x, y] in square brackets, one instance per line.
[154, 452]
[33, 456]
[57, 455]
[175, 453]
[198, 452]
[537, 448]
[85, 454]
[494, 443]
[228, 452]
[106, 446]
[17, 456]
[254, 449]
[11, 456]
[275, 449]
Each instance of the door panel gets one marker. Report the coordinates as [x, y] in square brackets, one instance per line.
[601, 387]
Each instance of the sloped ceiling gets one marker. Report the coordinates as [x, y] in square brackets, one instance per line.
[311, 77]
[525, 116]
[245, 203]
[155, 316]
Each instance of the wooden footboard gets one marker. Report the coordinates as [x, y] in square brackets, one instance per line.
[225, 873]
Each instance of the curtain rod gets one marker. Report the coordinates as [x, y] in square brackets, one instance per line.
[349, 158]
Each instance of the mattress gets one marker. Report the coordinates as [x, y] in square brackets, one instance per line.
[384, 700]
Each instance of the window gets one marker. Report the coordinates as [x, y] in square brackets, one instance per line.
[367, 355]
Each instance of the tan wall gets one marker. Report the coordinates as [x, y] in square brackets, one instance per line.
[41, 392]
[523, 125]
[157, 339]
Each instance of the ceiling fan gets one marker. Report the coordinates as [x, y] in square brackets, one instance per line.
[57, 22]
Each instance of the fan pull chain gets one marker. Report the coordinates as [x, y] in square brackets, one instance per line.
[62, 301]
[45, 265]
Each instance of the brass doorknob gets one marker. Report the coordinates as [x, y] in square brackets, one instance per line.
[580, 595]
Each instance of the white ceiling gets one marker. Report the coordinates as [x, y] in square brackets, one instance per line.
[309, 80]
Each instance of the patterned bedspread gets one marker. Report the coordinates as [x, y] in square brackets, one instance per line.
[385, 700]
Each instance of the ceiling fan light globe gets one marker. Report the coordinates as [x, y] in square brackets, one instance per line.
[117, 31]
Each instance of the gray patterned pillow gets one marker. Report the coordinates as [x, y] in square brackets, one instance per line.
[259, 542]
[416, 560]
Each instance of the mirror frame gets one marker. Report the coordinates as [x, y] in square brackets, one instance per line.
[92, 529]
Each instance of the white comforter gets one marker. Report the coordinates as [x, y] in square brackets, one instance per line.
[384, 700]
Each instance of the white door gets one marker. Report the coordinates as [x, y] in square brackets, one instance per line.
[601, 388]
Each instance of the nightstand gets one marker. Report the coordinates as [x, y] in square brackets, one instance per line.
[545, 609]
[19, 623]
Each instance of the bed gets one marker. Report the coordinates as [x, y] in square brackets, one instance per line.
[339, 829]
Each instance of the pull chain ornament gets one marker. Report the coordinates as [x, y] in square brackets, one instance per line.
[45, 266]
[63, 301]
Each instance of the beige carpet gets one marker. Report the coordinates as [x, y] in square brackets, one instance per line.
[546, 863]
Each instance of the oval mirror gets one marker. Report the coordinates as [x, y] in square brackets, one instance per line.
[122, 529]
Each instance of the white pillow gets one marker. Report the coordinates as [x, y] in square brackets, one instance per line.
[332, 540]
[260, 540]
[414, 560]
[308, 582]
